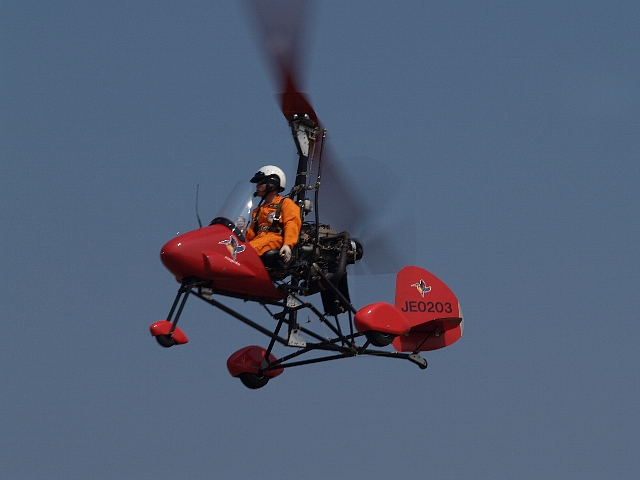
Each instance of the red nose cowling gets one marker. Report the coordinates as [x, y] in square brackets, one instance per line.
[215, 253]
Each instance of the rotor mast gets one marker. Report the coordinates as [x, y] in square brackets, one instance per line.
[304, 135]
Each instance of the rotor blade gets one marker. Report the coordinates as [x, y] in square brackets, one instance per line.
[283, 26]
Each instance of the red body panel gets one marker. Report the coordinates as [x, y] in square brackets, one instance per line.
[416, 340]
[247, 360]
[215, 253]
[163, 327]
[382, 317]
[431, 308]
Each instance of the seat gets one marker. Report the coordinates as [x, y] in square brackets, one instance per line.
[272, 259]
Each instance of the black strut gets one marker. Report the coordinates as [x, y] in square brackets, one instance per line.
[184, 289]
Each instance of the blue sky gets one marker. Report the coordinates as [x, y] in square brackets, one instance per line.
[513, 128]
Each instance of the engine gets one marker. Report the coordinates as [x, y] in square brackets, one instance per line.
[323, 255]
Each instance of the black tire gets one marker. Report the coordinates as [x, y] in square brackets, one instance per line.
[253, 381]
[379, 339]
[165, 341]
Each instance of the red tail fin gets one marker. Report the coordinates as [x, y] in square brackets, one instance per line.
[432, 309]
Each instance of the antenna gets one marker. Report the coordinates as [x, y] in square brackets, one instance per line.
[197, 214]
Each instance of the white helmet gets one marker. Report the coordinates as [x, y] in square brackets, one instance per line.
[271, 175]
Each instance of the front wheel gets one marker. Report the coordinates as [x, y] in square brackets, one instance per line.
[253, 380]
[165, 341]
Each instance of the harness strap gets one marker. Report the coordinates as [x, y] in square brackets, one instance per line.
[275, 227]
[271, 228]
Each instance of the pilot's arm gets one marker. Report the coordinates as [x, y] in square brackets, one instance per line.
[250, 234]
[291, 222]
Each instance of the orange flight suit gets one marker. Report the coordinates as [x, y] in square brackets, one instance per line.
[290, 223]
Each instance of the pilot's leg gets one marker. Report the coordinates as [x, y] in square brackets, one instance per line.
[266, 241]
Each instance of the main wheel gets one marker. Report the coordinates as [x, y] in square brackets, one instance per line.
[253, 380]
[165, 341]
[379, 339]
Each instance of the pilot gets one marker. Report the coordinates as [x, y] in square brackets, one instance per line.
[276, 221]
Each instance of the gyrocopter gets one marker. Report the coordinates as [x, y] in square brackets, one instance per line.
[217, 261]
